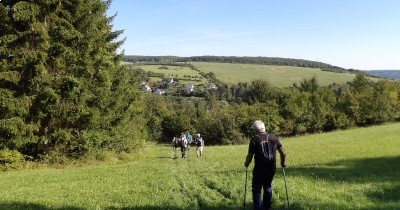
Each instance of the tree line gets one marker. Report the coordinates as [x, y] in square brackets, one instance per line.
[224, 116]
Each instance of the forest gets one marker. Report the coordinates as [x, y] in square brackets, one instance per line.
[64, 91]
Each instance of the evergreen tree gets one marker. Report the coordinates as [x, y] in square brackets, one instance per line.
[62, 88]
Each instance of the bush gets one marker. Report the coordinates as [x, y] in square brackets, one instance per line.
[10, 159]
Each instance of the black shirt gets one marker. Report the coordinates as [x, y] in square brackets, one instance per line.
[255, 148]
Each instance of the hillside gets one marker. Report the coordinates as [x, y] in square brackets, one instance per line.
[388, 74]
[275, 61]
[233, 73]
[281, 72]
[280, 76]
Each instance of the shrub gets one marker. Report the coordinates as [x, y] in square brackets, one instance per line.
[10, 159]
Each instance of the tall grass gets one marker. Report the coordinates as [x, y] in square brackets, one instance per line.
[353, 169]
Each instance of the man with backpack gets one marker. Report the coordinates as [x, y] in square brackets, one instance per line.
[175, 145]
[263, 147]
[183, 145]
[199, 145]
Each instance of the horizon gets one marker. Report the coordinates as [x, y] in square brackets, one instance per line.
[353, 35]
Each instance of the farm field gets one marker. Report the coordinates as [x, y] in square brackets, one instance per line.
[185, 74]
[352, 169]
[280, 76]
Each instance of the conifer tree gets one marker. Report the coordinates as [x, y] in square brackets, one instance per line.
[62, 89]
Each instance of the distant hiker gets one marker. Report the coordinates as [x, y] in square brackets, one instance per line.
[189, 139]
[199, 145]
[175, 145]
[263, 147]
[183, 145]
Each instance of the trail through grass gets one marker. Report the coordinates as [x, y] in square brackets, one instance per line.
[353, 169]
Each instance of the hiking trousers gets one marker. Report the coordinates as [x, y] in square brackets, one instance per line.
[183, 150]
[262, 179]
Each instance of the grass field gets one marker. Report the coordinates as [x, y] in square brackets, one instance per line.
[353, 169]
[176, 72]
[280, 76]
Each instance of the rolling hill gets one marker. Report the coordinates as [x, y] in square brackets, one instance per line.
[387, 74]
[280, 76]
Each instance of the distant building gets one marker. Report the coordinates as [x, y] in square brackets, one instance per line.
[189, 88]
[160, 91]
[169, 80]
[211, 86]
[145, 88]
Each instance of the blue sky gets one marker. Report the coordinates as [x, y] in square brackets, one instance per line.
[361, 34]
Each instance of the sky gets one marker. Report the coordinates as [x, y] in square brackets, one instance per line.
[359, 34]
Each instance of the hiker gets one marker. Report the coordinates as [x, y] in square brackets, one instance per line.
[175, 145]
[189, 139]
[263, 147]
[183, 145]
[199, 145]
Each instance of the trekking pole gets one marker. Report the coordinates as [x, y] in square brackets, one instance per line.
[245, 191]
[284, 178]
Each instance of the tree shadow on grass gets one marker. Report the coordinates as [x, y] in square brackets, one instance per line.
[32, 206]
[356, 170]
[386, 194]
[384, 170]
[221, 207]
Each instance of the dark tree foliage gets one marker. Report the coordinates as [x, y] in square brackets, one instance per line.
[62, 90]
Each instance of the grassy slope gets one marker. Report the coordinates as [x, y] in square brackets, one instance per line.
[353, 169]
[175, 72]
[281, 76]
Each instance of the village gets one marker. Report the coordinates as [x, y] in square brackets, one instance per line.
[171, 86]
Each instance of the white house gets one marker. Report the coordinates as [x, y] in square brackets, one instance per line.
[211, 86]
[169, 80]
[145, 88]
[160, 91]
[189, 88]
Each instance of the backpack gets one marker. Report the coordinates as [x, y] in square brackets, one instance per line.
[199, 142]
[183, 143]
[267, 150]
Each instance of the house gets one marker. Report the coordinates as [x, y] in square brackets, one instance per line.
[160, 91]
[189, 88]
[145, 88]
[169, 80]
[211, 86]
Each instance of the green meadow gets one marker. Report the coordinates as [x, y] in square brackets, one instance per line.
[280, 76]
[185, 74]
[351, 169]
[233, 73]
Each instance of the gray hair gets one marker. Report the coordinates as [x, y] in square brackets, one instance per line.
[258, 126]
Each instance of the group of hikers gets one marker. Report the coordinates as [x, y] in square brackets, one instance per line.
[185, 141]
